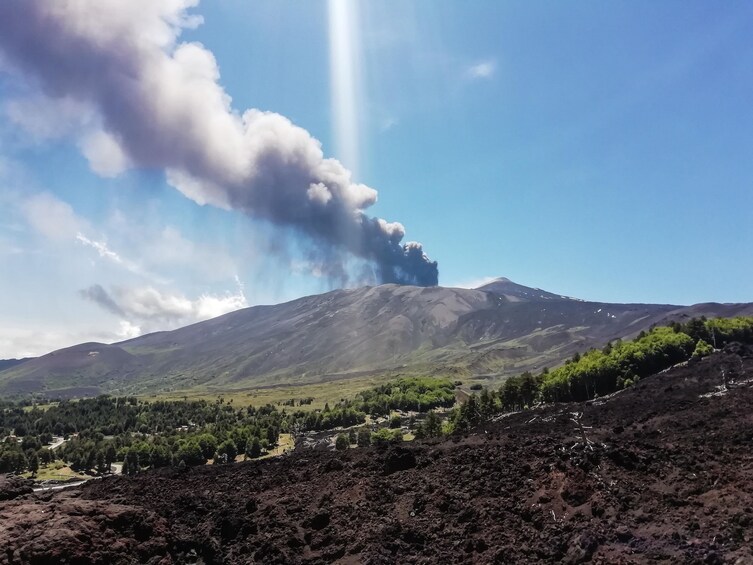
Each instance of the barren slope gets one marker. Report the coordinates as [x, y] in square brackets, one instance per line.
[505, 329]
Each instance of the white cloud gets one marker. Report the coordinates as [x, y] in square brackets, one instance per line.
[17, 342]
[105, 156]
[129, 330]
[159, 249]
[48, 118]
[147, 309]
[51, 217]
[484, 69]
[101, 248]
[104, 251]
[169, 248]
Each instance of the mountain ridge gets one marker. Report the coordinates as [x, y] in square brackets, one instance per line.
[501, 328]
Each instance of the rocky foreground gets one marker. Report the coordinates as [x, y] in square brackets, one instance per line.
[661, 472]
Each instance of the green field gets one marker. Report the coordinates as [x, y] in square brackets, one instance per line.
[57, 471]
[330, 392]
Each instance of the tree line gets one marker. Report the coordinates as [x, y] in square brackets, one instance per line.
[143, 434]
[418, 394]
[597, 372]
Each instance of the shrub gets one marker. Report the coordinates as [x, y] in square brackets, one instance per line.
[342, 443]
[383, 436]
[364, 438]
[702, 349]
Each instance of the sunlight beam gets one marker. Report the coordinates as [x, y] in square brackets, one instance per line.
[344, 67]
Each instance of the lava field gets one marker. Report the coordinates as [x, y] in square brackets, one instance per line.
[661, 472]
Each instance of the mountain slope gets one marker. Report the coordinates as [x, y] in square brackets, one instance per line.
[515, 292]
[8, 363]
[502, 328]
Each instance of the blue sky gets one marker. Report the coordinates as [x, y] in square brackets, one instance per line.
[597, 150]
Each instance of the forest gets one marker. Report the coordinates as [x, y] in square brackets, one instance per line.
[103, 430]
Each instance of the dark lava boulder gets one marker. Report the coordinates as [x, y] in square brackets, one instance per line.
[398, 459]
[12, 486]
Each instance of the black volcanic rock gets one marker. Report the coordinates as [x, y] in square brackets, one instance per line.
[398, 459]
[12, 487]
[513, 491]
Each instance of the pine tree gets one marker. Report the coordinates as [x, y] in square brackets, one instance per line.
[254, 448]
[33, 463]
[433, 425]
[132, 459]
[101, 467]
[110, 456]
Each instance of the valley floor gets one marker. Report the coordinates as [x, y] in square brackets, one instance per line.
[660, 472]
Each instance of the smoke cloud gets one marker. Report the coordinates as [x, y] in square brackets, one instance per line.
[100, 296]
[160, 106]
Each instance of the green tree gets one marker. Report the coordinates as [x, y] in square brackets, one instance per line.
[240, 437]
[7, 461]
[510, 394]
[21, 463]
[254, 448]
[208, 446]
[341, 443]
[190, 452]
[33, 461]
[45, 456]
[273, 435]
[227, 451]
[100, 462]
[468, 416]
[486, 403]
[528, 388]
[110, 455]
[432, 425]
[364, 438]
[160, 456]
[131, 462]
[383, 436]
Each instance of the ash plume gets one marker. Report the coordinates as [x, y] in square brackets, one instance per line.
[160, 106]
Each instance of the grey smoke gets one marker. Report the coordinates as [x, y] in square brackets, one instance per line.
[161, 107]
[100, 296]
